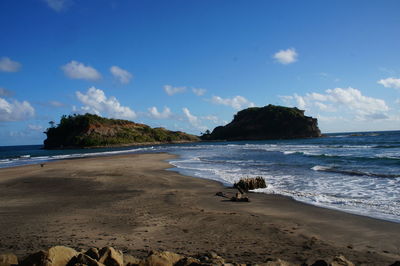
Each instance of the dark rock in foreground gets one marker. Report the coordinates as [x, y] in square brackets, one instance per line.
[268, 122]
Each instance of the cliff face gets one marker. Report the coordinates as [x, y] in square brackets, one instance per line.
[268, 122]
[82, 131]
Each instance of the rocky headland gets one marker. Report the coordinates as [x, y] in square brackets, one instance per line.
[268, 122]
[89, 130]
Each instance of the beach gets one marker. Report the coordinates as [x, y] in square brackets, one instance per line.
[131, 202]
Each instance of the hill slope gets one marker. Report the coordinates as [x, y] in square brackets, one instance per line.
[82, 131]
[268, 122]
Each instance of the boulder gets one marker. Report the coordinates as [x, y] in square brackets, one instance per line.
[341, 261]
[82, 259]
[188, 261]
[212, 258]
[110, 257]
[164, 258]
[93, 253]
[60, 255]
[36, 259]
[130, 260]
[55, 256]
[8, 259]
[247, 184]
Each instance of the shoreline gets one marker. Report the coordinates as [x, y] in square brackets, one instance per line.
[173, 167]
[133, 203]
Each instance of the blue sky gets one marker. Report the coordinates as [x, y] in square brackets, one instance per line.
[191, 65]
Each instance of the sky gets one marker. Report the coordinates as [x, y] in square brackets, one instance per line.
[190, 65]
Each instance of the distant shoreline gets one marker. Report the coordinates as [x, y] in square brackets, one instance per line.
[119, 145]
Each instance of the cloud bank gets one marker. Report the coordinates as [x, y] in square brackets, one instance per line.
[95, 101]
[15, 110]
[349, 99]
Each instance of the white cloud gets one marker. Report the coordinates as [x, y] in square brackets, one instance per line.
[325, 107]
[199, 91]
[35, 127]
[58, 5]
[15, 110]
[301, 103]
[397, 101]
[5, 93]
[95, 101]
[173, 90]
[353, 99]
[77, 70]
[237, 102]
[286, 56]
[342, 100]
[122, 75]
[390, 83]
[8, 65]
[166, 113]
[194, 120]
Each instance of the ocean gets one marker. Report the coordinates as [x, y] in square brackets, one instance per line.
[353, 172]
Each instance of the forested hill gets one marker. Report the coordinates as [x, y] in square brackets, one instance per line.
[89, 130]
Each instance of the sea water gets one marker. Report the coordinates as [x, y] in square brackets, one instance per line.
[353, 172]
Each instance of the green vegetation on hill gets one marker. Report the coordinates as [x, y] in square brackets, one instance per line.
[268, 122]
[90, 130]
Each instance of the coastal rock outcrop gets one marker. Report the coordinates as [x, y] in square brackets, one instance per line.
[108, 256]
[268, 122]
[246, 184]
[82, 131]
[54, 256]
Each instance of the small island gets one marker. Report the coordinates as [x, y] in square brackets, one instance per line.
[268, 122]
[89, 131]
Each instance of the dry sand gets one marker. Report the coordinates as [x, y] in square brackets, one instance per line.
[132, 203]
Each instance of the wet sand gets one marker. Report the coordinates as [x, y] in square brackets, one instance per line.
[132, 203]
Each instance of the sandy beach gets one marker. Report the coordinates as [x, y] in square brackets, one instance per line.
[132, 203]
